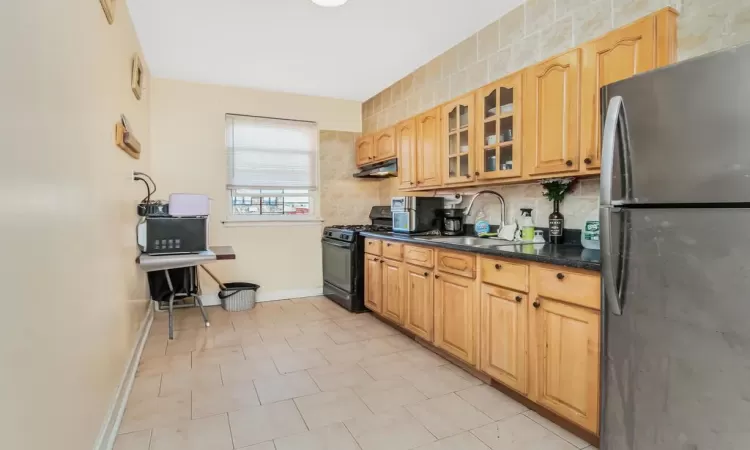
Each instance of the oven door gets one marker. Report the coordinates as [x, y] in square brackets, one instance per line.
[338, 264]
[403, 221]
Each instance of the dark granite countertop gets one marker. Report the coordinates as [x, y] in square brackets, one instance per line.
[561, 255]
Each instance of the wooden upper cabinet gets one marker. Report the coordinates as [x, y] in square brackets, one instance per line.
[406, 146]
[552, 120]
[503, 336]
[639, 47]
[456, 311]
[458, 140]
[428, 149]
[418, 301]
[566, 360]
[385, 144]
[373, 283]
[498, 129]
[618, 55]
[365, 150]
[393, 291]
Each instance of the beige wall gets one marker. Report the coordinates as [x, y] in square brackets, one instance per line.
[190, 156]
[73, 298]
[536, 30]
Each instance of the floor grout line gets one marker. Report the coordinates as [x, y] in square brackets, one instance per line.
[300, 414]
[280, 324]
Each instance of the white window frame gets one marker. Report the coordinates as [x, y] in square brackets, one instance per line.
[313, 216]
[238, 219]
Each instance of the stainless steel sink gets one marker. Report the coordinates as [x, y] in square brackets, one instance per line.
[467, 240]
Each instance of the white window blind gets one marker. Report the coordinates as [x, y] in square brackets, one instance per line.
[268, 153]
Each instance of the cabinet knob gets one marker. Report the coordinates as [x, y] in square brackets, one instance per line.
[388, 245]
[519, 298]
[587, 160]
[476, 174]
[569, 163]
[411, 183]
[537, 304]
[382, 261]
[437, 276]
[560, 276]
[498, 266]
[426, 274]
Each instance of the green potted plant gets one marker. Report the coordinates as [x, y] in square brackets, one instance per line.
[554, 189]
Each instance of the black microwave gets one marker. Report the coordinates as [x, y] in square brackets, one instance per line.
[167, 234]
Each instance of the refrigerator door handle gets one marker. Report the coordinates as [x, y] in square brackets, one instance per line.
[609, 263]
[615, 126]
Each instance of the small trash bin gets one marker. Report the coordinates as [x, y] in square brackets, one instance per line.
[238, 296]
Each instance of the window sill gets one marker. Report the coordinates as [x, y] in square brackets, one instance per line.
[235, 223]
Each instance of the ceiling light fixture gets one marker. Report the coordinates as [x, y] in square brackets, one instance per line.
[329, 3]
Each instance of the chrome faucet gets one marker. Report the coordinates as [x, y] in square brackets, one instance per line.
[499, 197]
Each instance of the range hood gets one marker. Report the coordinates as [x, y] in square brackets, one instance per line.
[383, 169]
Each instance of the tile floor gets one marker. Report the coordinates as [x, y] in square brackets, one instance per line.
[305, 374]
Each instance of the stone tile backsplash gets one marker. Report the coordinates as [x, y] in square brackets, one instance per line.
[529, 33]
[577, 204]
[343, 198]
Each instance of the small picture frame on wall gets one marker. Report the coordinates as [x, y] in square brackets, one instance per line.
[136, 77]
[109, 9]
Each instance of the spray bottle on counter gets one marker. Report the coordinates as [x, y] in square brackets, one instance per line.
[527, 225]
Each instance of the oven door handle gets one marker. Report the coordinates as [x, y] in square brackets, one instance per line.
[337, 244]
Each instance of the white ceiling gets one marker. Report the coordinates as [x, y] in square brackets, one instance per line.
[350, 52]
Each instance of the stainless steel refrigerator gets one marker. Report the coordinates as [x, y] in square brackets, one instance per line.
[675, 240]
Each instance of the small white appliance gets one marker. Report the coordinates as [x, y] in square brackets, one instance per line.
[189, 205]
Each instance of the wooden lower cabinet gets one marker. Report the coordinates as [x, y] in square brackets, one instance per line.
[504, 336]
[393, 290]
[455, 315]
[418, 301]
[565, 358]
[544, 344]
[373, 283]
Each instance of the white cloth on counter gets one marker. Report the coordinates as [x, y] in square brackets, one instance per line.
[508, 232]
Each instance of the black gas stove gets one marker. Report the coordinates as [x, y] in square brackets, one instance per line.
[343, 259]
[349, 233]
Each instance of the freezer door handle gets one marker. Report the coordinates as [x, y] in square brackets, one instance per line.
[615, 127]
[610, 264]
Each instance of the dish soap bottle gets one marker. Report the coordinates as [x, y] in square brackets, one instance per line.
[527, 225]
[590, 231]
[481, 225]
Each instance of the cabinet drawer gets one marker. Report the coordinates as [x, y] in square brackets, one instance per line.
[573, 287]
[462, 264]
[502, 272]
[419, 256]
[373, 246]
[393, 250]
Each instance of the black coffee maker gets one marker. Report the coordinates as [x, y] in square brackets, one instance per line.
[453, 222]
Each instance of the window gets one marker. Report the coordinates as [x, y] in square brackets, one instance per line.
[270, 203]
[273, 170]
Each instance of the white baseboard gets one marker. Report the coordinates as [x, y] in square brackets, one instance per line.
[108, 433]
[212, 299]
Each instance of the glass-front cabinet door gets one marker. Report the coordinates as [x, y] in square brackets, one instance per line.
[458, 141]
[499, 129]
